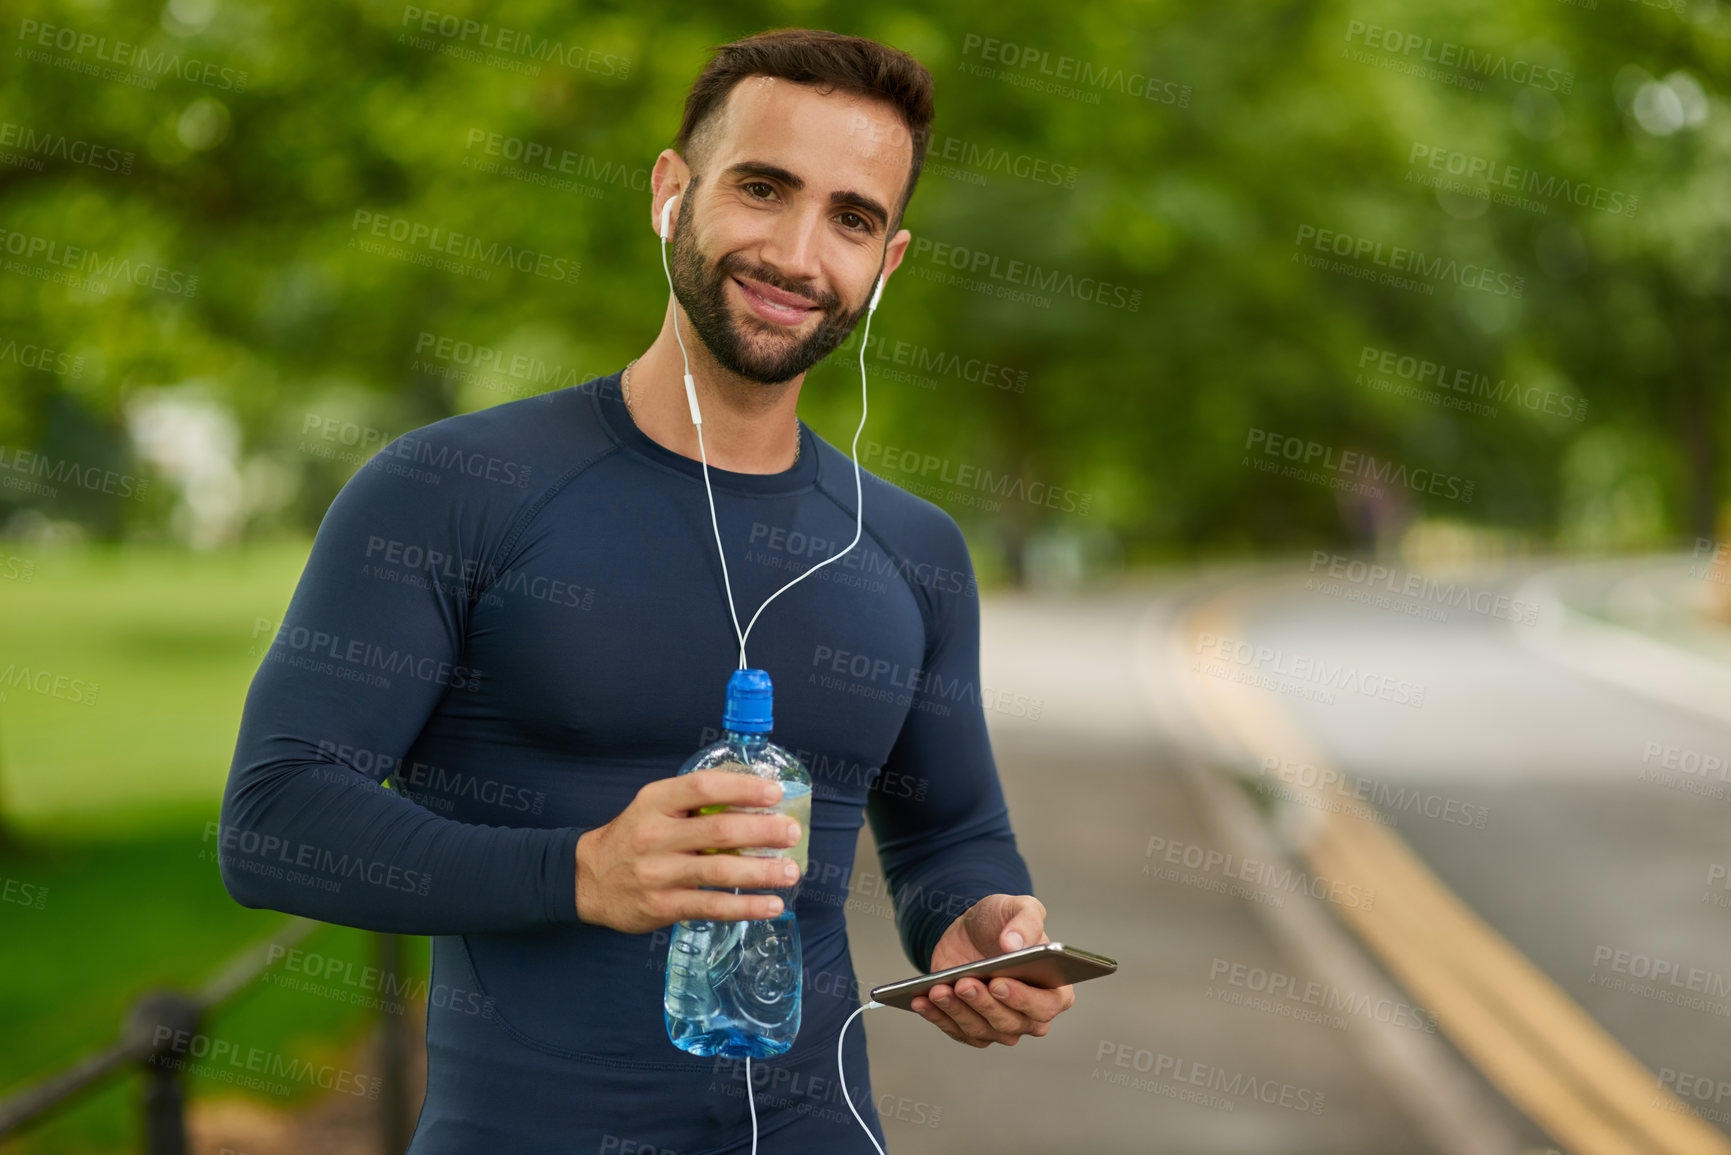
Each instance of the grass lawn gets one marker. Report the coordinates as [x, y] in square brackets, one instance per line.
[113, 889]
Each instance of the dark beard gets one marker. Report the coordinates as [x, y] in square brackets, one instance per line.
[702, 292]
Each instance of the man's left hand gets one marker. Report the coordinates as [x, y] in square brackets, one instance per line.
[979, 1016]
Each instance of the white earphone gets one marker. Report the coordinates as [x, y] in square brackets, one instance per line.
[859, 505]
[697, 420]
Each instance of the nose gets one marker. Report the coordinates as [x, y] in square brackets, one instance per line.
[792, 248]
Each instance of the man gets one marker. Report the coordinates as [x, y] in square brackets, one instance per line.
[520, 618]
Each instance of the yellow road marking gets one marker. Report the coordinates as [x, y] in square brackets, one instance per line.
[1538, 1046]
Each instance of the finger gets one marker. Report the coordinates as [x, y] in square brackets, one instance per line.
[675, 796]
[971, 1023]
[1041, 1004]
[720, 906]
[1003, 1019]
[1026, 924]
[924, 1008]
[725, 871]
[730, 831]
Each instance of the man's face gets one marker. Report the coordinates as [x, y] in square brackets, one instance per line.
[778, 245]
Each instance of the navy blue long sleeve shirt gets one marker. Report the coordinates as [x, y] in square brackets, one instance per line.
[517, 618]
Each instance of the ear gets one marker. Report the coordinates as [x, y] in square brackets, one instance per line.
[667, 180]
[898, 248]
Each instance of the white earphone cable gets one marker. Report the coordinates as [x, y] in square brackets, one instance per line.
[859, 527]
[859, 496]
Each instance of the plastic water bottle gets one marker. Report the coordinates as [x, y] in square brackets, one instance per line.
[733, 988]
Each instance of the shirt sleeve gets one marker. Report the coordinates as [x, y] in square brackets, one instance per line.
[946, 843]
[363, 657]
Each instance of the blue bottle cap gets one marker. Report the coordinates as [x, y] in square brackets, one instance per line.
[750, 703]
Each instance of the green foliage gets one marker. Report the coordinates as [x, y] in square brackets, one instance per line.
[1266, 121]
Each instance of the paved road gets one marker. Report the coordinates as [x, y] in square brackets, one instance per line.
[1090, 781]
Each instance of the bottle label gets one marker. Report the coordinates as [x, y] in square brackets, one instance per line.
[795, 802]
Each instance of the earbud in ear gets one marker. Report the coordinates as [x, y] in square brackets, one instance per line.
[876, 293]
[667, 216]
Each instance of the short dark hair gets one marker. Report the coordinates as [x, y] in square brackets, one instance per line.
[827, 60]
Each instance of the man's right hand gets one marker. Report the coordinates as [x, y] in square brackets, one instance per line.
[642, 870]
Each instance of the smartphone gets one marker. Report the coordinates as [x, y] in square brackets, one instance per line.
[1045, 964]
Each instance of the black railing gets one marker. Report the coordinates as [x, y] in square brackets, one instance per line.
[160, 1022]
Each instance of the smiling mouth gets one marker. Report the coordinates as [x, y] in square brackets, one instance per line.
[784, 310]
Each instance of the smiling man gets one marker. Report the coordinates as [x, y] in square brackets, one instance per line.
[514, 626]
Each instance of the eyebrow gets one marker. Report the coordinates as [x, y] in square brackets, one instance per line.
[849, 197]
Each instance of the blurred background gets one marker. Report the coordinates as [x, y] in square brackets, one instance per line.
[1333, 396]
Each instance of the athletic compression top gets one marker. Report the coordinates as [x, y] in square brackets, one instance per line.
[516, 616]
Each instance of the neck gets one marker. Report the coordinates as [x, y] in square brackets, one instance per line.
[748, 427]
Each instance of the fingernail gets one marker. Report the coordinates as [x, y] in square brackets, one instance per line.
[970, 994]
[792, 833]
[1000, 990]
[790, 871]
[1014, 938]
[944, 1002]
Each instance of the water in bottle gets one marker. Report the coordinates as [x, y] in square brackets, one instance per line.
[733, 988]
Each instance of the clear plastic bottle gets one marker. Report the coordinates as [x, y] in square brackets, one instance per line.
[733, 988]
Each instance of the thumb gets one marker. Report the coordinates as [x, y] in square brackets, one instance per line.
[1026, 924]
